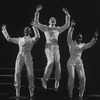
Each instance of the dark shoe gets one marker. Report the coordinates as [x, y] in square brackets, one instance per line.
[81, 94]
[70, 95]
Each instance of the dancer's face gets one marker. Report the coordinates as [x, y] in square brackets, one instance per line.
[52, 22]
[79, 38]
[27, 31]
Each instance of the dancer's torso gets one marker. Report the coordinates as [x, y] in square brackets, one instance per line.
[51, 39]
[51, 35]
[75, 53]
[25, 45]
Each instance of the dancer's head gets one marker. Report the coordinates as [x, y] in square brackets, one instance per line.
[79, 38]
[27, 31]
[52, 22]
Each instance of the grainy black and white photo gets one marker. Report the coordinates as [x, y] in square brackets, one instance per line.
[49, 50]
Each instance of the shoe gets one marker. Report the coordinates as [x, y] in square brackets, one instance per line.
[81, 94]
[56, 84]
[80, 98]
[70, 94]
[17, 93]
[31, 92]
[44, 83]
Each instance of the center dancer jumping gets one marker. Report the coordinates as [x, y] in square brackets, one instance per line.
[75, 63]
[25, 44]
[51, 33]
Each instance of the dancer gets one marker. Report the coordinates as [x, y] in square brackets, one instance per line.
[51, 33]
[24, 56]
[76, 48]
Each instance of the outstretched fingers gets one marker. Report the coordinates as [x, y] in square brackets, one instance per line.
[96, 35]
[65, 10]
[39, 7]
[3, 26]
[72, 23]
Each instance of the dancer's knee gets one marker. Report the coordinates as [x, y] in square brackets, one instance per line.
[57, 59]
[50, 62]
[30, 72]
[18, 68]
[17, 73]
[82, 76]
[83, 80]
[70, 79]
[58, 73]
[70, 84]
[82, 83]
[17, 80]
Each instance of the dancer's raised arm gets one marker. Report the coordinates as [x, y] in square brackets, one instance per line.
[36, 20]
[67, 21]
[70, 32]
[37, 34]
[6, 35]
[92, 42]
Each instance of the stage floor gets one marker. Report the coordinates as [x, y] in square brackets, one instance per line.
[7, 89]
[42, 94]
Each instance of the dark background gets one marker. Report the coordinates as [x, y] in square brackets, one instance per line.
[86, 13]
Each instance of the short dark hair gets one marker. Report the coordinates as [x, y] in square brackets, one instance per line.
[79, 38]
[27, 31]
[53, 20]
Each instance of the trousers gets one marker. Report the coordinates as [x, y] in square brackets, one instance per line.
[72, 65]
[52, 54]
[24, 58]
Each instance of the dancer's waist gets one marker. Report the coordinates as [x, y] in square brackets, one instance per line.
[24, 51]
[50, 45]
[75, 56]
[55, 41]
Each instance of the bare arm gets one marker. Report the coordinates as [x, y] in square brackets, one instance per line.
[6, 35]
[70, 33]
[67, 22]
[36, 20]
[37, 34]
[92, 42]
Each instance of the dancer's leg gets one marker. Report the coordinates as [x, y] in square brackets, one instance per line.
[18, 66]
[71, 76]
[29, 64]
[48, 68]
[82, 78]
[58, 69]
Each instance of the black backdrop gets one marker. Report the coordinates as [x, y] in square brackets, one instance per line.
[18, 14]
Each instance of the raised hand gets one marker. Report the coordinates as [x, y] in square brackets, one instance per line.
[3, 27]
[39, 7]
[65, 10]
[32, 22]
[72, 23]
[96, 35]
[4, 31]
